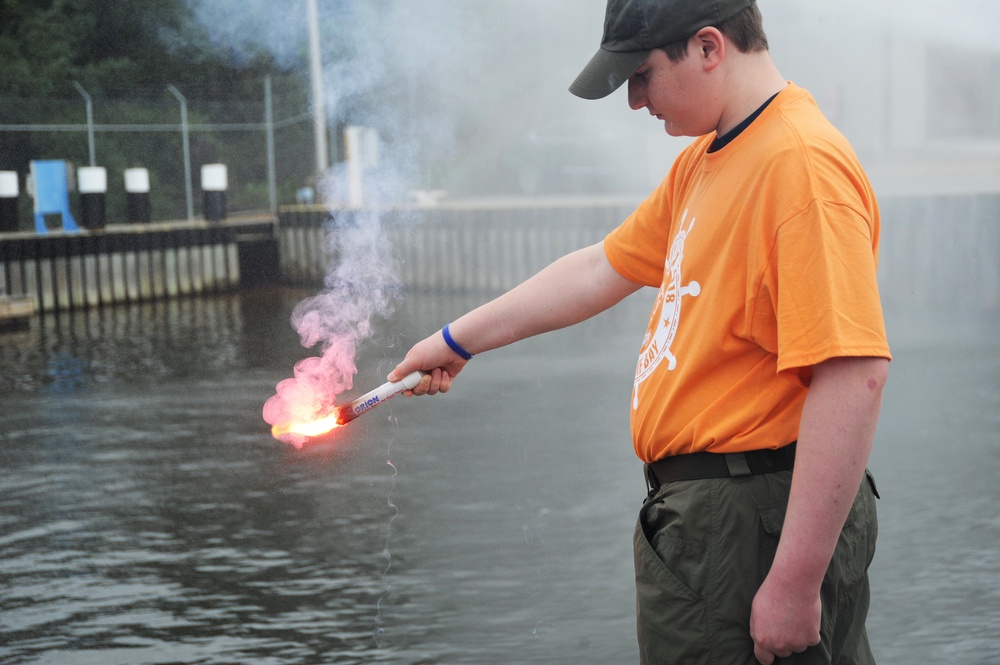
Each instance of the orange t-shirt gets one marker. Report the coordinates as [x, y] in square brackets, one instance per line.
[765, 255]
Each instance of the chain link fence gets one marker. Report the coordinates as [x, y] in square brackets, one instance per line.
[266, 143]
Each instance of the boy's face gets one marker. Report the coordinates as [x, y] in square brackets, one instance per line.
[678, 93]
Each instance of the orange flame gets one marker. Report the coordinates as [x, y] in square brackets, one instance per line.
[297, 433]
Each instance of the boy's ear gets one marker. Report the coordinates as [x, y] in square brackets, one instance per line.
[711, 46]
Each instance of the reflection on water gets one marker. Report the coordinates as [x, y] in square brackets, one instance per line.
[139, 342]
[146, 516]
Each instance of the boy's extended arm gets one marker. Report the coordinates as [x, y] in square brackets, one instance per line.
[572, 289]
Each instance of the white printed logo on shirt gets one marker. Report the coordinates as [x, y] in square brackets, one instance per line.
[666, 314]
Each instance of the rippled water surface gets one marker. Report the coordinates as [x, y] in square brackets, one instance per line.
[147, 516]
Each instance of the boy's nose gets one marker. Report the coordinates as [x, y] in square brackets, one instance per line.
[636, 95]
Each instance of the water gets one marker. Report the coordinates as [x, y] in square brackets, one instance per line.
[146, 515]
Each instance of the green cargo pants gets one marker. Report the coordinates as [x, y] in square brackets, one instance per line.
[703, 548]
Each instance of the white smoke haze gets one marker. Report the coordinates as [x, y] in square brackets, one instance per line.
[401, 69]
[361, 283]
[246, 27]
[470, 97]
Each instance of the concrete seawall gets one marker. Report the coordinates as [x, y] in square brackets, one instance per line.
[939, 255]
[461, 247]
[125, 263]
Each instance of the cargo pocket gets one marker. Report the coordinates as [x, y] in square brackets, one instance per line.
[671, 614]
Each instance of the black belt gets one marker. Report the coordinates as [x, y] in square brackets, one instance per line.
[699, 466]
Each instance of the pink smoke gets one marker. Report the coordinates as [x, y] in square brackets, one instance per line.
[360, 283]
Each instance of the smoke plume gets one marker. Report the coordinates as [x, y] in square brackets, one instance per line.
[360, 287]
[372, 81]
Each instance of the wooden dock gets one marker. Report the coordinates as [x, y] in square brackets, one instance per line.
[15, 310]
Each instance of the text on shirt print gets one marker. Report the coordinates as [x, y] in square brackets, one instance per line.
[666, 314]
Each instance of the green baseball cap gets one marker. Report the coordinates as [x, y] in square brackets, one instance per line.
[632, 28]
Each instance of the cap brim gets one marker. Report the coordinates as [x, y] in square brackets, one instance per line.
[606, 72]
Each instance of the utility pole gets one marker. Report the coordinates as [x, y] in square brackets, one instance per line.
[318, 105]
[272, 187]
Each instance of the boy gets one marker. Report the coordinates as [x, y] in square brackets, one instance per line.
[759, 381]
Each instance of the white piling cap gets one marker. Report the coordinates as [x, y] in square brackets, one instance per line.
[92, 179]
[137, 181]
[214, 178]
[8, 185]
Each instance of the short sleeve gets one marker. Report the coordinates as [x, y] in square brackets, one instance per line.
[825, 290]
[638, 248]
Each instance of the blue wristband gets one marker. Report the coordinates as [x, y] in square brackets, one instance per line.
[453, 345]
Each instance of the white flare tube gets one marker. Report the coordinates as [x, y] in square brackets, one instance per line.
[371, 399]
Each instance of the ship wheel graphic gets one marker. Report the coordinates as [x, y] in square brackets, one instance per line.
[666, 314]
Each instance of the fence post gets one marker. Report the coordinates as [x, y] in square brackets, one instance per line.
[187, 150]
[90, 120]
